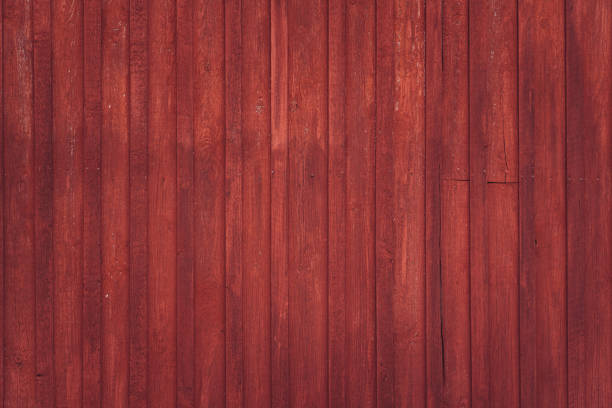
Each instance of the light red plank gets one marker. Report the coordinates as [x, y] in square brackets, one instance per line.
[115, 197]
[19, 194]
[455, 291]
[385, 226]
[542, 204]
[400, 203]
[234, 312]
[185, 317]
[360, 122]
[279, 201]
[308, 210]
[589, 195]
[448, 295]
[337, 272]
[502, 252]
[68, 209]
[43, 200]
[162, 183]
[493, 203]
[209, 205]
[256, 200]
[139, 204]
[92, 203]
[138, 306]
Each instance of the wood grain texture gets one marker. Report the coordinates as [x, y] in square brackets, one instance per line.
[115, 196]
[447, 205]
[336, 205]
[348, 203]
[494, 239]
[279, 201]
[209, 205]
[43, 201]
[185, 262]
[543, 319]
[256, 201]
[589, 226]
[308, 202]
[19, 189]
[68, 204]
[234, 286]
[139, 204]
[92, 207]
[360, 122]
[400, 204]
[162, 204]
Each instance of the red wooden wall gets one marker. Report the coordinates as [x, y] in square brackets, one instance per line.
[306, 203]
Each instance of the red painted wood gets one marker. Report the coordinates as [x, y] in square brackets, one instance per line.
[43, 202]
[360, 119]
[256, 200]
[19, 190]
[138, 205]
[308, 202]
[385, 225]
[589, 225]
[284, 203]
[234, 286]
[209, 205]
[68, 205]
[336, 205]
[279, 201]
[115, 197]
[543, 324]
[162, 205]
[400, 204]
[494, 240]
[92, 209]
[185, 263]
[447, 205]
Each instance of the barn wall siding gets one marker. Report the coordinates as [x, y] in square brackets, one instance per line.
[280, 203]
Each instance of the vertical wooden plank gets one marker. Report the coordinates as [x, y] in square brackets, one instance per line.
[502, 253]
[162, 150]
[493, 203]
[337, 204]
[209, 206]
[435, 115]
[360, 228]
[400, 168]
[256, 200]
[234, 313]
[454, 286]
[115, 196]
[279, 233]
[92, 199]
[493, 69]
[307, 39]
[185, 216]
[448, 296]
[589, 195]
[385, 225]
[68, 199]
[543, 328]
[19, 190]
[139, 204]
[409, 204]
[43, 201]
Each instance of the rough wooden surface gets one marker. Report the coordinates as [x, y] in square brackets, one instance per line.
[353, 203]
